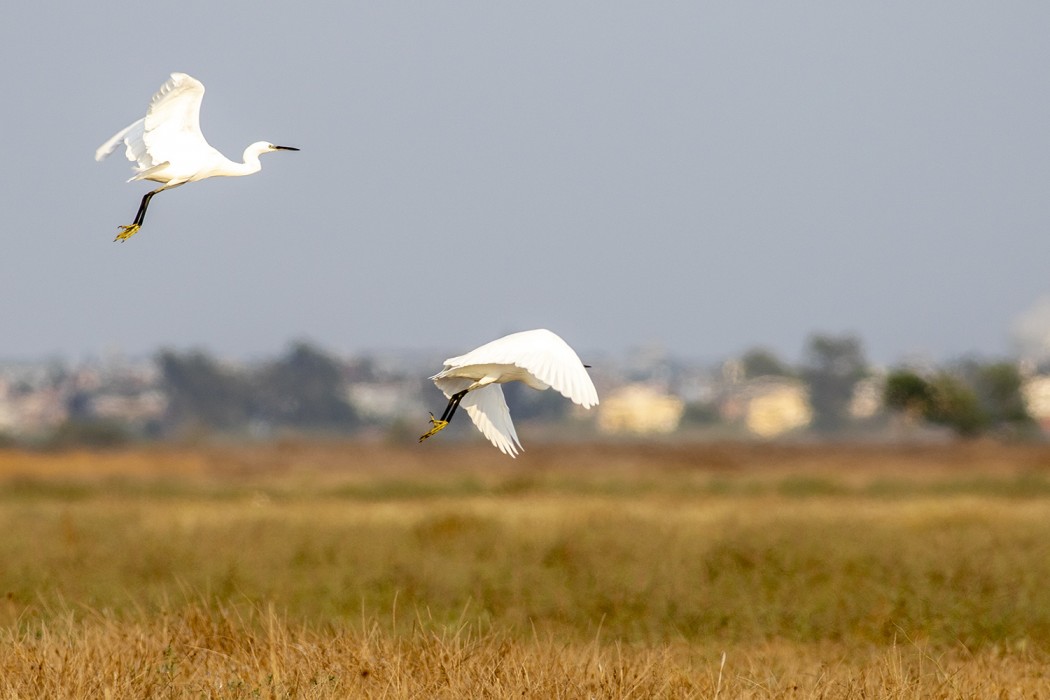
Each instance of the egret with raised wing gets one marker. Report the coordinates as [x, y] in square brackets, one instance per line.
[539, 358]
[167, 145]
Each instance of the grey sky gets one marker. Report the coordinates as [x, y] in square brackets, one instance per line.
[704, 176]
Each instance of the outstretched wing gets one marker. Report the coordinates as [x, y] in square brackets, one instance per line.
[172, 124]
[170, 129]
[544, 355]
[127, 132]
[488, 409]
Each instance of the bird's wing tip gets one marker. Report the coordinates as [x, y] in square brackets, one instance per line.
[109, 146]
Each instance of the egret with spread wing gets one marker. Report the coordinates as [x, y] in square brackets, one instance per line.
[538, 358]
[167, 145]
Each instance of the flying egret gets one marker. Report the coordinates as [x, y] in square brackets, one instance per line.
[167, 145]
[538, 358]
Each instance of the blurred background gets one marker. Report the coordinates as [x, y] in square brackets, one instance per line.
[752, 220]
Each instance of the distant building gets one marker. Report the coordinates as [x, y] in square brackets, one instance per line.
[36, 398]
[768, 406]
[30, 412]
[639, 409]
[388, 400]
[867, 397]
[129, 408]
[1036, 394]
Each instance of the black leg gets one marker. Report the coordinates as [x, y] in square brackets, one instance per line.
[142, 207]
[440, 423]
[453, 404]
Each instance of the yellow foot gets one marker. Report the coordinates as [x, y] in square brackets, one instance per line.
[439, 425]
[127, 232]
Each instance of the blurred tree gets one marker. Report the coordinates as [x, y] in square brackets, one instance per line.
[304, 389]
[998, 388]
[945, 399]
[831, 368]
[701, 413]
[954, 404]
[201, 393]
[907, 392]
[759, 362]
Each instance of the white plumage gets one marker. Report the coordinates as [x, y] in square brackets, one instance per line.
[538, 358]
[167, 145]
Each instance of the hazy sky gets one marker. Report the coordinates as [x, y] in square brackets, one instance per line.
[703, 176]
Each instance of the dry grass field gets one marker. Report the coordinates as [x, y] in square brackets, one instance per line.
[329, 570]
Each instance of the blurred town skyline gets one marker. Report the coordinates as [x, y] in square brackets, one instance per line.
[834, 390]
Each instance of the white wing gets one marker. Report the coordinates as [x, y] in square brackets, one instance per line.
[111, 145]
[542, 353]
[488, 409]
[172, 124]
[169, 131]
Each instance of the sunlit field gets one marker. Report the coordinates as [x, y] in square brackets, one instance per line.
[334, 570]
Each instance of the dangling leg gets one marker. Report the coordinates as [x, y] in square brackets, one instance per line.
[130, 230]
[453, 404]
[442, 423]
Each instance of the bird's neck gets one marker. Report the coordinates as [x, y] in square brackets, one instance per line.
[250, 165]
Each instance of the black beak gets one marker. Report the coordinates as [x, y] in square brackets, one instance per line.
[285, 148]
[587, 366]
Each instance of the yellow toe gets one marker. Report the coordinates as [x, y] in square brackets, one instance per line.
[127, 232]
[439, 425]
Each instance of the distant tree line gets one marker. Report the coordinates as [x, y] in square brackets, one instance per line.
[970, 397]
[300, 390]
[306, 390]
[303, 390]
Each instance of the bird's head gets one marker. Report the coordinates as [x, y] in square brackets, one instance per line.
[260, 147]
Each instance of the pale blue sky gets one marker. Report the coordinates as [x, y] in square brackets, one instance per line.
[703, 176]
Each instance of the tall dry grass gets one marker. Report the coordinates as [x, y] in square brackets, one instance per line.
[200, 651]
[326, 570]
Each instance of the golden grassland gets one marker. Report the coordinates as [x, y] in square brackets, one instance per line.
[321, 569]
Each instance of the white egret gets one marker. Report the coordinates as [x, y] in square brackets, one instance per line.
[538, 358]
[167, 145]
